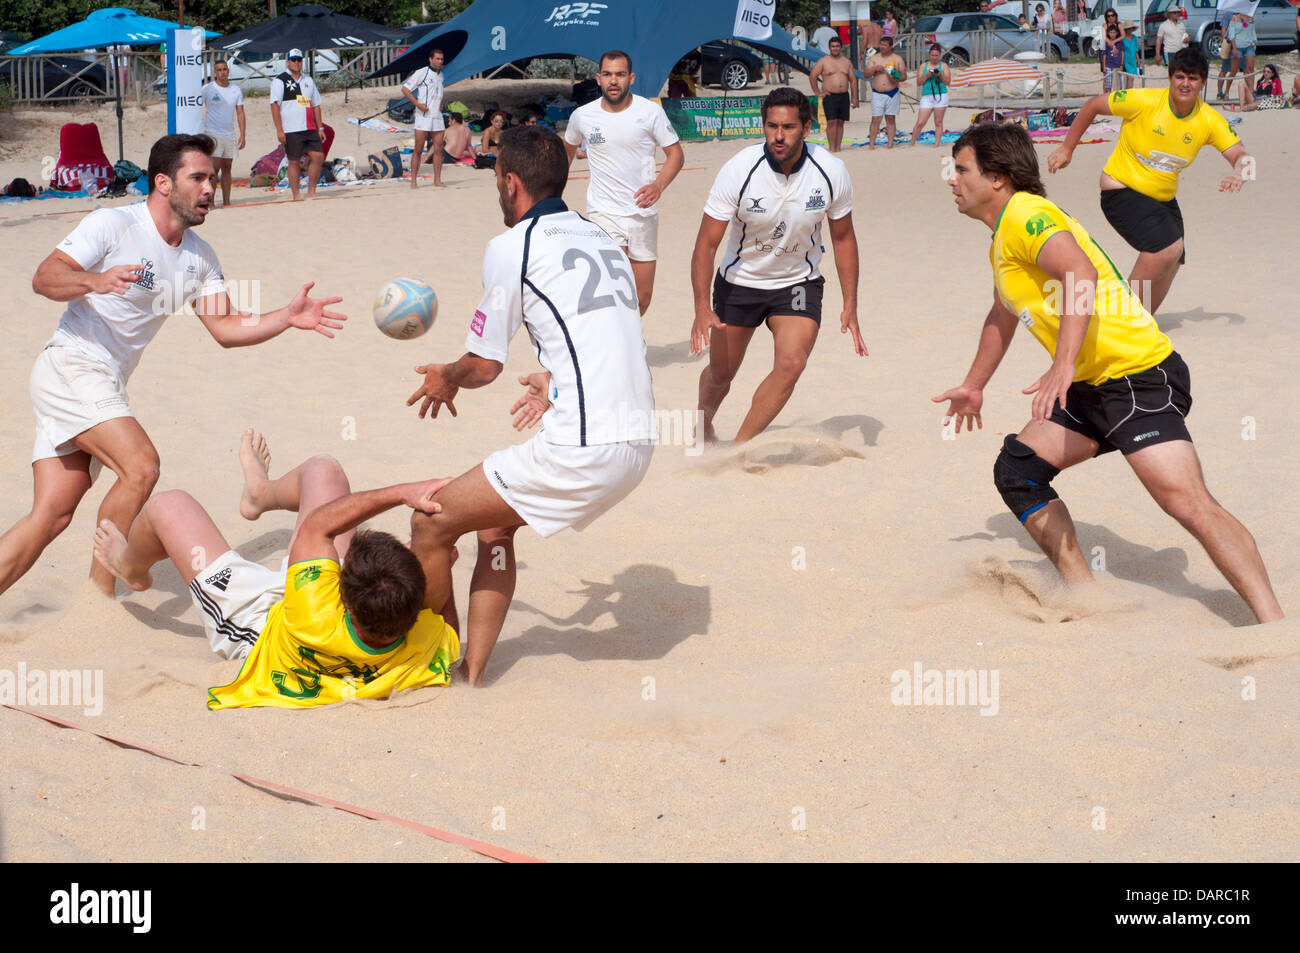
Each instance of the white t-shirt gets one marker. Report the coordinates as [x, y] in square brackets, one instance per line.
[776, 220]
[571, 287]
[219, 105]
[425, 85]
[296, 100]
[621, 151]
[116, 328]
[822, 37]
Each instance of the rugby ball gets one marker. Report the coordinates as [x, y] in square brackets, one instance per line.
[405, 308]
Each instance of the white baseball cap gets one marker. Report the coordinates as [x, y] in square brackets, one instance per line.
[294, 54]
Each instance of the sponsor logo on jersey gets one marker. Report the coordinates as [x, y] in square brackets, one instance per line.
[1027, 319]
[219, 580]
[1120, 95]
[305, 576]
[1187, 138]
[1042, 222]
[778, 232]
[147, 280]
[1158, 131]
[480, 319]
[756, 205]
[815, 201]
[595, 139]
[504, 485]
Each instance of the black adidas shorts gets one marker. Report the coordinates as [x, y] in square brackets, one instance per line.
[1130, 413]
[1147, 224]
[743, 307]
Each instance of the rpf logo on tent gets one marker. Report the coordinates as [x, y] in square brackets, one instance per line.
[576, 14]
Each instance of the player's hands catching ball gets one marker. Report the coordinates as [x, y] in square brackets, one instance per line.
[1059, 159]
[705, 323]
[419, 496]
[964, 403]
[528, 410]
[436, 390]
[309, 314]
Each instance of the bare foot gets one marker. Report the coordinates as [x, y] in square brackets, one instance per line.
[110, 548]
[254, 460]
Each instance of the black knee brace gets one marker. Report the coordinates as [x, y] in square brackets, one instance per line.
[1023, 478]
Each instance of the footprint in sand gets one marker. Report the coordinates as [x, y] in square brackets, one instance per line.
[772, 451]
[1030, 595]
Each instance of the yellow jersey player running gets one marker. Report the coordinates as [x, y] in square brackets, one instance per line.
[1115, 382]
[1163, 130]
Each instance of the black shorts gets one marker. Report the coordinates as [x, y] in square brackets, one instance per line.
[1147, 224]
[743, 307]
[836, 106]
[1130, 413]
[296, 143]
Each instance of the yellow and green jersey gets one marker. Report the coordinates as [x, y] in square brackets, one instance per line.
[1155, 144]
[309, 653]
[1122, 338]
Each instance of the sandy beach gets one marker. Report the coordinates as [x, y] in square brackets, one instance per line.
[712, 670]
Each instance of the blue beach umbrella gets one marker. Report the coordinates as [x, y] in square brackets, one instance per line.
[115, 26]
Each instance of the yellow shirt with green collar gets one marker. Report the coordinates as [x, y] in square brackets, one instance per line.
[1122, 338]
[309, 653]
[1155, 144]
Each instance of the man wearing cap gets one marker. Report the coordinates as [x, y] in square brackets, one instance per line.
[295, 108]
[823, 35]
[424, 90]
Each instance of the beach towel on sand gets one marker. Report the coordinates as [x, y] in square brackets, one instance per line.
[81, 162]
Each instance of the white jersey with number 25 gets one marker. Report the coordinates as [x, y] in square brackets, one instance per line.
[566, 281]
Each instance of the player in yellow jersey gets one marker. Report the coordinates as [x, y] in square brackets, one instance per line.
[1162, 132]
[1114, 383]
[345, 619]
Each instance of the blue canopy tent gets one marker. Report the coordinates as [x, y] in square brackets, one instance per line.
[656, 35]
[114, 26]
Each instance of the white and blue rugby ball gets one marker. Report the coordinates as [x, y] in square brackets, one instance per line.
[405, 308]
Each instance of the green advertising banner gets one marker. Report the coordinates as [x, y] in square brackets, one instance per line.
[722, 117]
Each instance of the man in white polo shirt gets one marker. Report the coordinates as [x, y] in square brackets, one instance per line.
[424, 89]
[622, 132]
[775, 195]
[123, 271]
[295, 108]
[223, 110]
[566, 281]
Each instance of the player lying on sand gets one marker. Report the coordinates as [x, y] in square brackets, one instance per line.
[1115, 382]
[347, 619]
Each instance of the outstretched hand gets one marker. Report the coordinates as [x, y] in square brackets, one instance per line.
[436, 390]
[528, 410]
[309, 314]
[964, 403]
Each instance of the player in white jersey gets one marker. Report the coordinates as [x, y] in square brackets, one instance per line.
[622, 133]
[423, 88]
[775, 196]
[567, 282]
[223, 111]
[122, 271]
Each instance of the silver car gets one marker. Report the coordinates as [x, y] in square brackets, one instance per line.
[1275, 23]
[970, 37]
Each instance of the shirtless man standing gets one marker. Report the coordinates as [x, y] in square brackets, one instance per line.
[838, 92]
[885, 70]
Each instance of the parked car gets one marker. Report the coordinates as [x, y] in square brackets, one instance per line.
[955, 31]
[58, 78]
[1274, 24]
[728, 65]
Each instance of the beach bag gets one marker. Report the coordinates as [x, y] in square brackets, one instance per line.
[126, 170]
[269, 164]
[401, 110]
[386, 165]
[459, 108]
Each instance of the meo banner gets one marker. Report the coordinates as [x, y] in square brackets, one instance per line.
[185, 80]
[721, 117]
[754, 19]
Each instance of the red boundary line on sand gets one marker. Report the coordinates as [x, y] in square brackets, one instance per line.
[479, 847]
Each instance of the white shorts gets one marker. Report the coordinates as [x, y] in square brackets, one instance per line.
[934, 102]
[234, 597]
[882, 104]
[639, 234]
[227, 146]
[554, 488]
[71, 392]
[430, 121]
